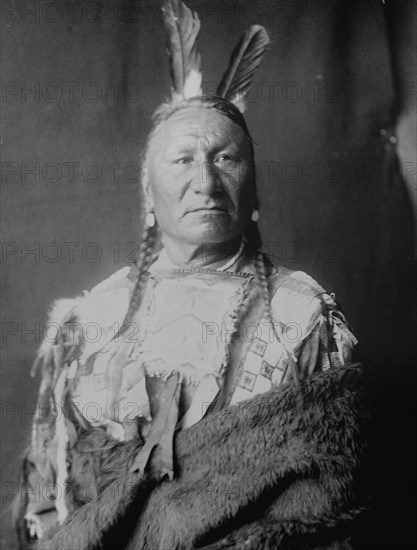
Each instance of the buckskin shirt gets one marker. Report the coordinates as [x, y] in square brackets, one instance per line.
[206, 325]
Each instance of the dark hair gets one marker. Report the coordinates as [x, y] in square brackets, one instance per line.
[223, 106]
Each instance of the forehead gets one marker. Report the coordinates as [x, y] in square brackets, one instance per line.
[193, 123]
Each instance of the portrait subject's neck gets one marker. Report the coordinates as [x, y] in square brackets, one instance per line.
[209, 255]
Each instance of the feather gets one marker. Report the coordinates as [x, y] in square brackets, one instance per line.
[245, 59]
[183, 26]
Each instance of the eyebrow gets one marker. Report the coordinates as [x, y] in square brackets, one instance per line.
[180, 148]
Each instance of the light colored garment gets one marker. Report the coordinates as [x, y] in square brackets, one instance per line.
[207, 325]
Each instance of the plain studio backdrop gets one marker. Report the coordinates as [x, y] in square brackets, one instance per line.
[80, 80]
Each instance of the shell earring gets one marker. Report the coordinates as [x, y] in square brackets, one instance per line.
[255, 216]
[150, 219]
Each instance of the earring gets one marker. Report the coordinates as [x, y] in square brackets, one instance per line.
[150, 219]
[255, 216]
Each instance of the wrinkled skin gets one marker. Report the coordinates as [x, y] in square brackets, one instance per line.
[200, 183]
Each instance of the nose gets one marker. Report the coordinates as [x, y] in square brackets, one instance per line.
[206, 179]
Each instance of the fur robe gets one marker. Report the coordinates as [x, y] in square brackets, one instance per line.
[283, 470]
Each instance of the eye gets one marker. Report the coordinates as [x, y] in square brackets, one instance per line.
[224, 158]
[183, 160]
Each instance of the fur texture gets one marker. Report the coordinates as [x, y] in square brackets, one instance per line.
[283, 469]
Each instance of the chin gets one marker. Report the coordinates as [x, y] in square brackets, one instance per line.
[210, 235]
[205, 229]
[207, 239]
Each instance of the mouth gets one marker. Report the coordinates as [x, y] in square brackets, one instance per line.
[212, 208]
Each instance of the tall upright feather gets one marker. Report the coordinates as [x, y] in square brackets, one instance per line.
[245, 59]
[183, 26]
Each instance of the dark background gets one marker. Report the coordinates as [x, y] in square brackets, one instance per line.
[332, 111]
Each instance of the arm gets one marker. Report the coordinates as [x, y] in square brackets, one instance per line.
[44, 469]
[314, 330]
[330, 343]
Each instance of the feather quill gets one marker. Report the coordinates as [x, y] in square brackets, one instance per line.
[183, 26]
[245, 59]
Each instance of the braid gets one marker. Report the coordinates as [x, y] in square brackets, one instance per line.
[253, 237]
[145, 259]
[260, 266]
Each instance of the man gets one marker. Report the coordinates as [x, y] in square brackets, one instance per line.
[201, 207]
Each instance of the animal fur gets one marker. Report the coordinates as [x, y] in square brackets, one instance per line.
[284, 469]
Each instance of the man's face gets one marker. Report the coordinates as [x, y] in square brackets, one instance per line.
[201, 177]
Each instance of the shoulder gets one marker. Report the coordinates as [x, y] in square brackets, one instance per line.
[122, 278]
[296, 297]
[108, 301]
[295, 281]
[302, 306]
[94, 315]
[100, 297]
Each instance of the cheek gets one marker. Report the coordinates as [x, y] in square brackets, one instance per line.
[241, 186]
[164, 189]
[166, 196]
[165, 205]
